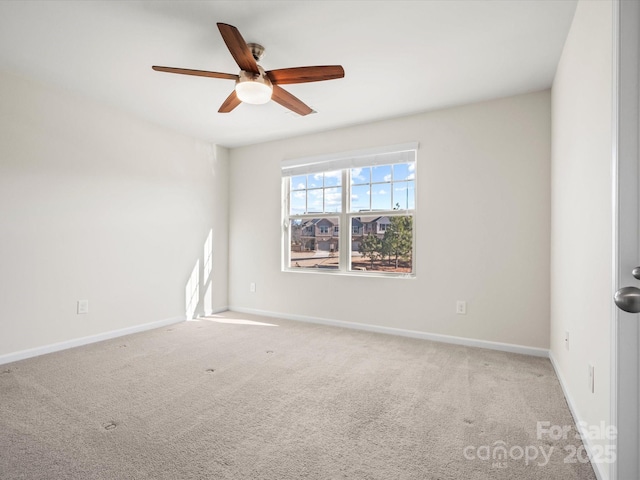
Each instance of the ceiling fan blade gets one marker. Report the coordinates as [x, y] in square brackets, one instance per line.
[231, 102]
[305, 74]
[197, 73]
[287, 100]
[238, 48]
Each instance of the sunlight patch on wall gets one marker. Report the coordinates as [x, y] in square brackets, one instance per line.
[208, 301]
[194, 287]
[208, 267]
[192, 291]
[208, 256]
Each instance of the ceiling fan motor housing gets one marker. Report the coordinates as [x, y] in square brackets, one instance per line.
[257, 51]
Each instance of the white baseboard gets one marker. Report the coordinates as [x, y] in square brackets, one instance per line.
[76, 342]
[468, 342]
[598, 468]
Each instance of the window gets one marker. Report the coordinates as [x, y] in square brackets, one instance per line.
[372, 191]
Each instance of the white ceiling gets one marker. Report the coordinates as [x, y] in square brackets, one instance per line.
[400, 57]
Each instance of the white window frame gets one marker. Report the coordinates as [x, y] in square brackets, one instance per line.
[344, 162]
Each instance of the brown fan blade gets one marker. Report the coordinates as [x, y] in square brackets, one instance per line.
[230, 103]
[197, 73]
[238, 48]
[287, 100]
[305, 74]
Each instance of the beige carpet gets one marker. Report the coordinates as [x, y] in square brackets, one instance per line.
[229, 398]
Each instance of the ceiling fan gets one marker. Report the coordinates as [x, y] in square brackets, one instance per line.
[253, 84]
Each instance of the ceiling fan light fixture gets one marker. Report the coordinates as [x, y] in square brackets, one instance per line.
[253, 88]
[253, 92]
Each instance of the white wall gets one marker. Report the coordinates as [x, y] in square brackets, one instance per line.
[581, 240]
[98, 205]
[482, 226]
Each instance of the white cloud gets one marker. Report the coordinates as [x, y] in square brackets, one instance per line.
[411, 176]
[387, 178]
[314, 181]
[333, 198]
[358, 177]
[315, 205]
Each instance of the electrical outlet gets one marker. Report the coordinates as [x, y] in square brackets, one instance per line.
[461, 307]
[83, 307]
[252, 287]
[592, 384]
[566, 339]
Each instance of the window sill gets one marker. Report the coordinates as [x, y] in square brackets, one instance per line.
[361, 274]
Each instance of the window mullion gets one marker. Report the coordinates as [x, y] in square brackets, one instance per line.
[324, 196]
[286, 231]
[345, 244]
